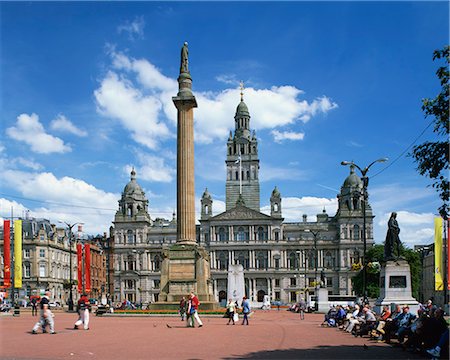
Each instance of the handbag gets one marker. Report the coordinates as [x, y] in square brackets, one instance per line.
[236, 317]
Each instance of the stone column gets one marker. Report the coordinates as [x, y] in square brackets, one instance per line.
[185, 103]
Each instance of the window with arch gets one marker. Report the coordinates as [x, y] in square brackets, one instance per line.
[248, 175]
[241, 234]
[206, 209]
[222, 260]
[237, 175]
[356, 232]
[223, 234]
[275, 207]
[242, 257]
[131, 263]
[130, 237]
[262, 233]
[293, 263]
[329, 260]
[277, 235]
[262, 258]
[129, 211]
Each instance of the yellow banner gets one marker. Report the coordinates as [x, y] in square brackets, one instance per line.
[438, 282]
[17, 253]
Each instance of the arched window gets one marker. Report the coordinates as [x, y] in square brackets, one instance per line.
[243, 259]
[356, 232]
[262, 260]
[129, 211]
[262, 235]
[237, 175]
[206, 209]
[275, 207]
[329, 260]
[222, 260]
[248, 175]
[130, 237]
[293, 261]
[223, 234]
[241, 234]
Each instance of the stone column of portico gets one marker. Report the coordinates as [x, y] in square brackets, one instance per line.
[185, 103]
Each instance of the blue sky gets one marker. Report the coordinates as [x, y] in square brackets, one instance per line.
[86, 93]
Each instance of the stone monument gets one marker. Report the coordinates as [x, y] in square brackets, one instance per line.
[185, 265]
[236, 285]
[395, 276]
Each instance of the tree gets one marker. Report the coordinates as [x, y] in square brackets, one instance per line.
[432, 158]
[375, 256]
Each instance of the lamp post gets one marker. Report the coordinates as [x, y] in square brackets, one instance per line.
[315, 234]
[70, 227]
[365, 182]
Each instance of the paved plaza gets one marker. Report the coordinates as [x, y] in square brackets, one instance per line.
[270, 335]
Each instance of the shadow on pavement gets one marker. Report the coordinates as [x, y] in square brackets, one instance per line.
[333, 352]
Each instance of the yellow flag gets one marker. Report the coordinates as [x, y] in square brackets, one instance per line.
[17, 253]
[438, 282]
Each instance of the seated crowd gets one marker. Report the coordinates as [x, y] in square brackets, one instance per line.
[426, 332]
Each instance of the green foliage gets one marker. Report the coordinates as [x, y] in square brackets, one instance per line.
[432, 158]
[376, 254]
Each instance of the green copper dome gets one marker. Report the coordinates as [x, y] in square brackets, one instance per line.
[242, 109]
[353, 180]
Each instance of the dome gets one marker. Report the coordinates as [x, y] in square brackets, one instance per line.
[206, 194]
[275, 192]
[132, 187]
[242, 109]
[353, 180]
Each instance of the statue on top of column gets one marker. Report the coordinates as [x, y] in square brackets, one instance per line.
[184, 68]
[392, 242]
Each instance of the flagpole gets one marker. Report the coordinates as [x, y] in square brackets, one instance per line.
[240, 172]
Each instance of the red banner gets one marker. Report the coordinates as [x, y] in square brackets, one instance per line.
[87, 267]
[7, 252]
[80, 267]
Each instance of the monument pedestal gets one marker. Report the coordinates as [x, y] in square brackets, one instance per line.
[395, 285]
[322, 298]
[185, 269]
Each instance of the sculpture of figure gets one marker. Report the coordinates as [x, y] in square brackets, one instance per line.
[184, 68]
[392, 239]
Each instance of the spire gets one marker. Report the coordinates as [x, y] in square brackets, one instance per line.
[133, 174]
[242, 90]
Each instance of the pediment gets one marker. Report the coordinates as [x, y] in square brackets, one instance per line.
[241, 212]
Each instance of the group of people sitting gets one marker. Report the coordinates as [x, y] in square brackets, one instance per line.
[425, 332]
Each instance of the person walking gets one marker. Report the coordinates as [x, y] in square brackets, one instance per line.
[245, 310]
[302, 308]
[231, 308]
[46, 316]
[195, 303]
[83, 312]
[183, 308]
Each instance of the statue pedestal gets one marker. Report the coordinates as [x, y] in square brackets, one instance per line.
[185, 268]
[322, 298]
[395, 285]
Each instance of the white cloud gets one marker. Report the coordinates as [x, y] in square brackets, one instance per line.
[28, 163]
[29, 130]
[227, 79]
[119, 99]
[280, 136]
[415, 228]
[152, 168]
[61, 123]
[141, 107]
[67, 199]
[134, 29]
[293, 208]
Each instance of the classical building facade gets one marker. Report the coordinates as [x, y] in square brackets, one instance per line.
[285, 260]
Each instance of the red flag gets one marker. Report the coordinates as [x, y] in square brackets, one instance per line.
[87, 267]
[80, 267]
[7, 252]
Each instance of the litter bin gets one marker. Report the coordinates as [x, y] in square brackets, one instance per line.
[16, 310]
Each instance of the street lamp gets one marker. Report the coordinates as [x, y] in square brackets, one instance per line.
[70, 227]
[365, 181]
[315, 234]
